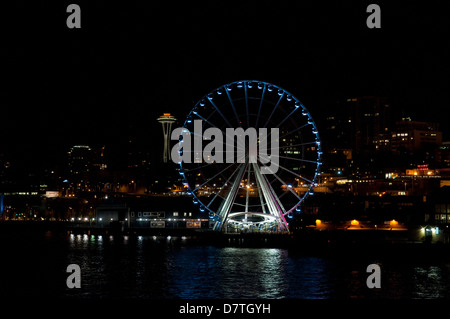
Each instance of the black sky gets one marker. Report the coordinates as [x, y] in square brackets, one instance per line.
[132, 61]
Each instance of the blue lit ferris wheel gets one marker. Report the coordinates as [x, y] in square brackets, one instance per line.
[238, 195]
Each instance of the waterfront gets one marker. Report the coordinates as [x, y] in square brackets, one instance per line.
[146, 267]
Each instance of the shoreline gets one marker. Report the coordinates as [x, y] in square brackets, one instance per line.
[306, 240]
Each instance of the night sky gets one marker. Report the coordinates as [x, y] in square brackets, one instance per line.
[129, 63]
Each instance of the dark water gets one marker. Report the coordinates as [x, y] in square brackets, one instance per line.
[35, 264]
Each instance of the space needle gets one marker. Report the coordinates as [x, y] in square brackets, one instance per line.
[166, 121]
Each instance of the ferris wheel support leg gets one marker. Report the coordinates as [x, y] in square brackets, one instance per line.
[227, 204]
[274, 206]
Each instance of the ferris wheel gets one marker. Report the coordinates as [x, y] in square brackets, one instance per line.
[243, 194]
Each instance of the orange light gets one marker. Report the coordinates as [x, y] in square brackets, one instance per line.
[166, 114]
[318, 222]
[393, 222]
[354, 222]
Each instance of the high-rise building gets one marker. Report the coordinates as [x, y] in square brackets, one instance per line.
[370, 123]
[413, 136]
[358, 123]
[166, 121]
[355, 133]
[444, 154]
[79, 165]
[336, 125]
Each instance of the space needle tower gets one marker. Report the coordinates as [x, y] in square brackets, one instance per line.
[166, 121]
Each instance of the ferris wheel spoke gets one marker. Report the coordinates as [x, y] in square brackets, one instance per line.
[233, 107]
[295, 130]
[248, 188]
[223, 186]
[272, 191]
[246, 104]
[243, 205]
[206, 120]
[287, 116]
[295, 174]
[284, 183]
[294, 145]
[274, 109]
[201, 135]
[215, 126]
[282, 195]
[211, 178]
[298, 159]
[288, 170]
[189, 170]
[260, 105]
[217, 109]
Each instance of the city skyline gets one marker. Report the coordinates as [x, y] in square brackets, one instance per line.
[140, 162]
[148, 137]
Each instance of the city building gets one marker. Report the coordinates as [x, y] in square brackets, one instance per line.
[79, 168]
[414, 136]
[444, 155]
[370, 123]
[151, 212]
[356, 135]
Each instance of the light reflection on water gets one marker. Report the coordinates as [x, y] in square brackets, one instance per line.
[429, 281]
[229, 273]
[149, 267]
[155, 267]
